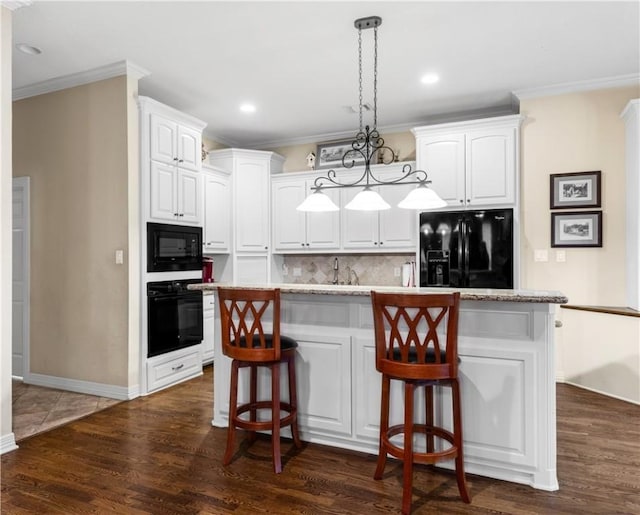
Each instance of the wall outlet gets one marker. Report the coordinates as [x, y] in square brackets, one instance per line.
[396, 271]
[561, 256]
[285, 270]
[541, 255]
[297, 272]
[119, 257]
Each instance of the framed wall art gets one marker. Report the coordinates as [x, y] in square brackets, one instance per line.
[575, 190]
[329, 155]
[576, 229]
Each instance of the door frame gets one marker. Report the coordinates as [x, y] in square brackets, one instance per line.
[22, 186]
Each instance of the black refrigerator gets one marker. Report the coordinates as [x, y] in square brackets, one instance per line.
[467, 249]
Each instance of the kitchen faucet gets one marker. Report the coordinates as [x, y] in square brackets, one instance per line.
[335, 271]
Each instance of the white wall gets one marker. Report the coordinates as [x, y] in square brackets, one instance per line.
[7, 439]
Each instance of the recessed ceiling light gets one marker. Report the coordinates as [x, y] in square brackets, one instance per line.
[28, 49]
[248, 108]
[430, 78]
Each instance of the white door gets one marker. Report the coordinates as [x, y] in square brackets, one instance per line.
[20, 276]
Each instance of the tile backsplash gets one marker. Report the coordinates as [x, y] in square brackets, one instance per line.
[370, 269]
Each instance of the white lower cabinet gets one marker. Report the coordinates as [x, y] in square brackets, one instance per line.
[208, 327]
[323, 370]
[174, 367]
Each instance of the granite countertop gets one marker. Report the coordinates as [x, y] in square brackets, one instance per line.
[549, 297]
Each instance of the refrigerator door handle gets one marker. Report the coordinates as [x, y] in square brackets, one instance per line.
[466, 279]
[461, 251]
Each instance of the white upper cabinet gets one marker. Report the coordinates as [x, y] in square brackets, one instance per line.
[389, 230]
[175, 144]
[217, 211]
[252, 205]
[170, 160]
[472, 164]
[295, 231]
[250, 172]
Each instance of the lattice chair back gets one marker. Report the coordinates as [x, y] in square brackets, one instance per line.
[250, 323]
[416, 334]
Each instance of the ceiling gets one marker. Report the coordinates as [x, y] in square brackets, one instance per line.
[297, 61]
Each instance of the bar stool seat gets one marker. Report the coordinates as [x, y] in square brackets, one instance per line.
[408, 349]
[243, 314]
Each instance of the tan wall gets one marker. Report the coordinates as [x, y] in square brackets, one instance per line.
[602, 353]
[296, 155]
[573, 133]
[73, 145]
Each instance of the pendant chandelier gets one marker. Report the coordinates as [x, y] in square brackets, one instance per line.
[370, 147]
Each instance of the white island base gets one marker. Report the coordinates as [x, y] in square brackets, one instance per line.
[507, 377]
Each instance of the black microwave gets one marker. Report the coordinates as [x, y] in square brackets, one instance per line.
[172, 248]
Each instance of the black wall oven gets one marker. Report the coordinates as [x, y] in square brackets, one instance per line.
[174, 316]
[173, 248]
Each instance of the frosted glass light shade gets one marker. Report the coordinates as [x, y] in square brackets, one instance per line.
[318, 202]
[367, 200]
[422, 198]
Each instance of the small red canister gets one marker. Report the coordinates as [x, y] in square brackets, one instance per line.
[207, 270]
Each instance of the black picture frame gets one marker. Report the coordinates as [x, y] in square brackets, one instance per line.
[329, 155]
[576, 229]
[575, 190]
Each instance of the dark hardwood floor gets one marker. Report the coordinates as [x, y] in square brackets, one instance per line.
[159, 454]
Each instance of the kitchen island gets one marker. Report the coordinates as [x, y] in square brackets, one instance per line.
[507, 375]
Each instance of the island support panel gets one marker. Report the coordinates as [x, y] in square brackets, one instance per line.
[506, 372]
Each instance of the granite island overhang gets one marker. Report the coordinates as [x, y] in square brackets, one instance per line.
[507, 372]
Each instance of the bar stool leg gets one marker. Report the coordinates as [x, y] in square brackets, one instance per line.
[275, 417]
[384, 427]
[428, 395]
[253, 398]
[457, 432]
[407, 469]
[233, 413]
[293, 401]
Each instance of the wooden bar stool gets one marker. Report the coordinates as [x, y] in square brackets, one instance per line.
[242, 317]
[408, 349]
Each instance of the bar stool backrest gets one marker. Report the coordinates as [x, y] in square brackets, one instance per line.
[243, 313]
[416, 335]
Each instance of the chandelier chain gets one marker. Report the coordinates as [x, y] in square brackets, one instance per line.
[375, 78]
[360, 73]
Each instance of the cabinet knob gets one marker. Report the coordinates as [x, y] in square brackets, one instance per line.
[381, 242]
[307, 244]
[266, 248]
[468, 201]
[178, 367]
[461, 201]
[181, 214]
[302, 244]
[375, 242]
[175, 214]
[180, 160]
[175, 158]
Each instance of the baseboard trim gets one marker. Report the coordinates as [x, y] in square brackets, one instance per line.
[122, 393]
[8, 443]
[607, 394]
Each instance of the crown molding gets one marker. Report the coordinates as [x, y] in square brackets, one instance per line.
[619, 81]
[14, 5]
[78, 79]
[475, 114]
